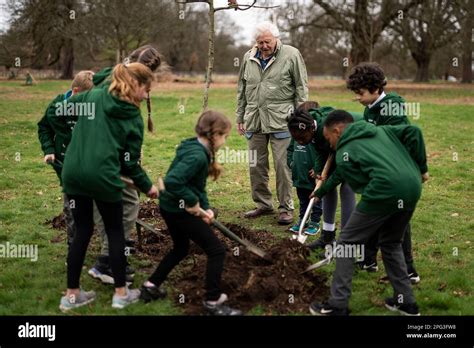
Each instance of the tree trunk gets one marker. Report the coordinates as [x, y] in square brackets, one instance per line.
[422, 64]
[360, 39]
[210, 55]
[467, 33]
[68, 60]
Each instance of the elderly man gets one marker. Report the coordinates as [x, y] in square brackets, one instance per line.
[272, 83]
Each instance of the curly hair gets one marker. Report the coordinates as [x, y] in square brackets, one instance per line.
[367, 75]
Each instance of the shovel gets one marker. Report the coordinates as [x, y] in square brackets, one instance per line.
[301, 237]
[228, 233]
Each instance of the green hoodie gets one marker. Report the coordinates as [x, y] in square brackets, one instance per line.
[319, 142]
[102, 78]
[103, 147]
[54, 131]
[300, 158]
[383, 164]
[389, 111]
[186, 178]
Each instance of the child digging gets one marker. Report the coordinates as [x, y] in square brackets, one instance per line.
[306, 127]
[386, 165]
[180, 206]
[102, 148]
[300, 159]
[54, 132]
[367, 81]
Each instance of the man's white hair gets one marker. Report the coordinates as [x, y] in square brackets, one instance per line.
[266, 27]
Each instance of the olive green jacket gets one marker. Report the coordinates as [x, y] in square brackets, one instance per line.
[266, 97]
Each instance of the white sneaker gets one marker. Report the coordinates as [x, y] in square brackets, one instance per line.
[133, 295]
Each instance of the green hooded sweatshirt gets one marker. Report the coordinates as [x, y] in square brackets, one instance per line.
[300, 159]
[104, 147]
[55, 130]
[319, 141]
[102, 78]
[383, 164]
[186, 178]
[389, 111]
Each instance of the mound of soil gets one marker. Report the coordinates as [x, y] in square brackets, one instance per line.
[275, 287]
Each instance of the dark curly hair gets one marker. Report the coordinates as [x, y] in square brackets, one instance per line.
[367, 75]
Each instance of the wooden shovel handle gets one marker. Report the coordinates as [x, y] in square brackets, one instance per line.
[325, 172]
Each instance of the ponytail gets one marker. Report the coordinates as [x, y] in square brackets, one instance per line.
[125, 80]
[213, 123]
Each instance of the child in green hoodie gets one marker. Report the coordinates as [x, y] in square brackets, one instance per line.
[105, 145]
[300, 159]
[150, 57]
[386, 165]
[54, 133]
[306, 127]
[180, 206]
[367, 81]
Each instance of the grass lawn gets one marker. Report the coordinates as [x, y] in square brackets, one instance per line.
[442, 226]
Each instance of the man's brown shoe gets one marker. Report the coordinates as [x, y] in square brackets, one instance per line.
[257, 212]
[285, 218]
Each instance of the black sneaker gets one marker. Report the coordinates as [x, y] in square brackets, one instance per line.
[103, 272]
[370, 267]
[129, 270]
[218, 308]
[152, 293]
[412, 274]
[325, 309]
[327, 237]
[410, 309]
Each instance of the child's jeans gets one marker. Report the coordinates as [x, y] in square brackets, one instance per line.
[303, 197]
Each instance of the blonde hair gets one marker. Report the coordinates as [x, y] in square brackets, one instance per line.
[83, 80]
[212, 123]
[126, 79]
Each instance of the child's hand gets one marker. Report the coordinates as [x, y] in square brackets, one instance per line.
[153, 193]
[322, 178]
[49, 158]
[312, 174]
[425, 177]
[316, 198]
[209, 217]
[194, 210]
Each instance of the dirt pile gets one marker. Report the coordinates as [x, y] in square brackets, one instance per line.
[276, 287]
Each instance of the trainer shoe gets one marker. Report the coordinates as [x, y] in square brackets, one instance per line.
[370, 267]
[327, 237]
[410, 309]
[132, 296]
[218, 307]
[414, 278]
[151, 293]
[325, 309]
[312, 229]
[74, 301]
[295, 228]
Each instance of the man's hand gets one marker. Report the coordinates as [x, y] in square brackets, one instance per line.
[425, 177]
[194, 210]
[209, 217]
[153, 192]
[49, 158]
[241, 128]
[312, 174]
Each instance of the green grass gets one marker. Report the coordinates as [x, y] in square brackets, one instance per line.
[30, 194]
